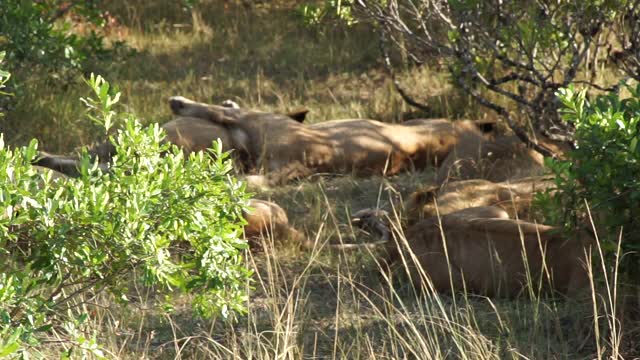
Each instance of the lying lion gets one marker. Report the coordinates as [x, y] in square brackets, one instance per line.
[267, 220]
[498, 159]
[481, 250]
[514, 197]
[264, 219]
[275, 144]
[188, 133]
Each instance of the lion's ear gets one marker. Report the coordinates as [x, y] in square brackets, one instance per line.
[298, 115]
[423, 196]
[486, 126]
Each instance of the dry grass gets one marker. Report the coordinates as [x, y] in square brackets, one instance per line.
[305, 304]
[327, 304]
[262, 57]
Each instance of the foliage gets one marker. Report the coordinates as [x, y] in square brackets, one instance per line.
[38, 34]
[4, 77]
[329, 10]
[627, 57]
[603, 172]
[511, 56]
[155, 217]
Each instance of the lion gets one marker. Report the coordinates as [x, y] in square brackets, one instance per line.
[268, 220]
[188, 133]
[482, 251]
[276, 144]
[514, 197]
[501, 158]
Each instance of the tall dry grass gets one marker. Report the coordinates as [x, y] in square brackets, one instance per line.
[343, 304]
[261, 56]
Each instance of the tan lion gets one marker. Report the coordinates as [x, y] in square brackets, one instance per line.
[514, 197]
[191, 134]
[499, 159]
[481, 250]
[275, 144]
[267, 220]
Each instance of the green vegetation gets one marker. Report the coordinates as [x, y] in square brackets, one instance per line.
[161, 221]
[513, 56]
[603, 173]
[4, 76]
[37, 34]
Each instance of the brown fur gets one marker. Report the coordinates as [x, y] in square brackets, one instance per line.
[514, 197]
[485, 252]
[358, 146]
[493, 159]
[268, 220]
[188, 133]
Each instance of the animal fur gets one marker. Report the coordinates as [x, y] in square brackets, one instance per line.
[514, 197]
[276, 144]
[499, 159]
[481, 250]
[268, 220]
[191, 134]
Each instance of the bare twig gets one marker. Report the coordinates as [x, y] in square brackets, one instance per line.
[406, 97]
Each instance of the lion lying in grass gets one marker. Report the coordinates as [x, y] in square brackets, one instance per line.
[480, 250]
[267, 220]
[514, 197]
[264, 219]
[498, 159]
[474, 235]
[276, 144]
[188, 133]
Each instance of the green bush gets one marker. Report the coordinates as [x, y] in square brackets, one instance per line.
[156, 217]
[603, 172]
[327, 11]
[4, 75]
[34, 33]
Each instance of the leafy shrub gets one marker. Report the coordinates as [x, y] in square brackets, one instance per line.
[34, 33]
[171, 221]
[510, 56]
[603, 172]
[4, 75]
[327, 11]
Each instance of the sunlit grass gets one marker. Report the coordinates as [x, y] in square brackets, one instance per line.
[343, 304]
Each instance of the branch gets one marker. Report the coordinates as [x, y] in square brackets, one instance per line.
[515, 76]
[387, 63]
[519, 131]
[470, 68]
[62, 10]
[615, 88]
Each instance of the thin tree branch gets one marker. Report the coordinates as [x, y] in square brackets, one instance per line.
[518, 130]
[406, 97]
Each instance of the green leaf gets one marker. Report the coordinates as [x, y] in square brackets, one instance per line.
[10, 348]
